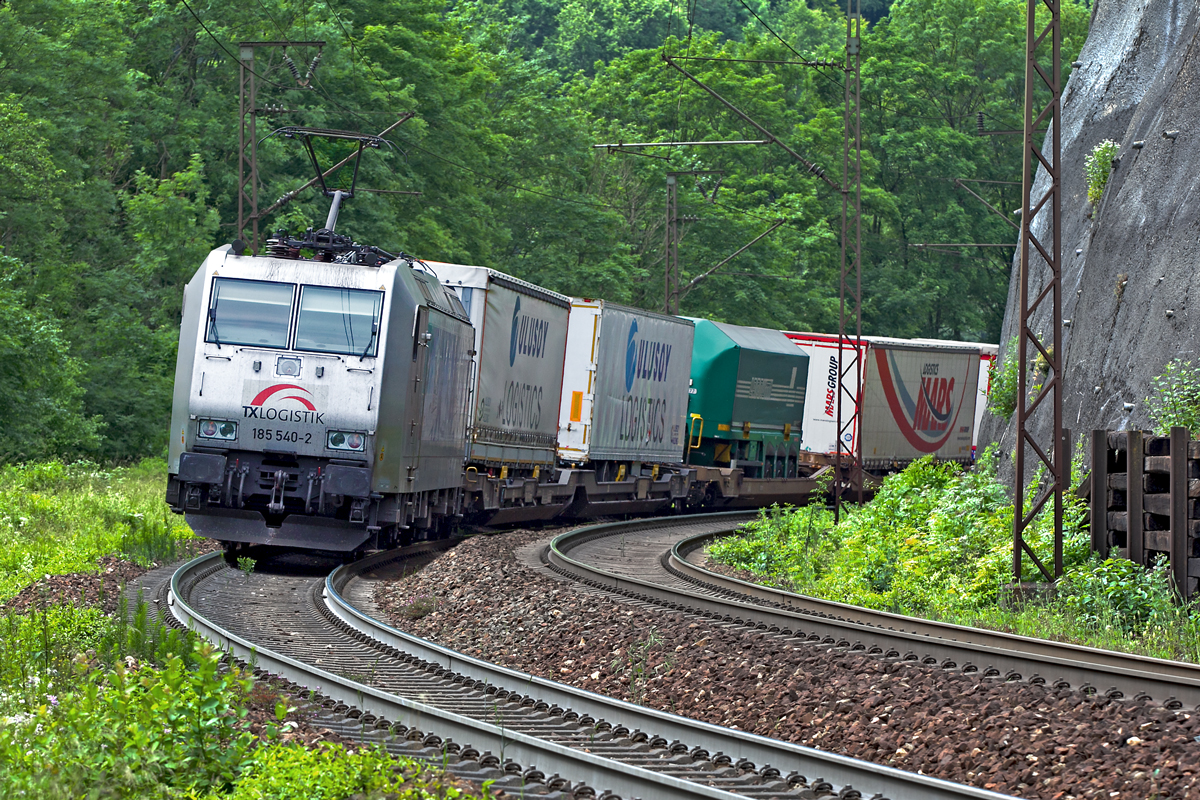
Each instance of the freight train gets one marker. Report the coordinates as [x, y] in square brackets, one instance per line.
[331, 396]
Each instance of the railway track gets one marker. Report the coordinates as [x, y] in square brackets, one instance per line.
[655, 561]
[545, 737]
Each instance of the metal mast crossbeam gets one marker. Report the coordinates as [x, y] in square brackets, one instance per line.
[248, 112]
[1054, 457]
[848, 463]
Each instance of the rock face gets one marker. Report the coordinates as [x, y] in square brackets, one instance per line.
[1130, 263]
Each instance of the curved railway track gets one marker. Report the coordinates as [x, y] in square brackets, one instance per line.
[655, 562]
[311, 631]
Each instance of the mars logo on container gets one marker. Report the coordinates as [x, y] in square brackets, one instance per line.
[925, 409]
[267, 404]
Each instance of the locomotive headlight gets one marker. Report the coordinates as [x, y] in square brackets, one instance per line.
[287, 366]
[217, 429]
[345, 440]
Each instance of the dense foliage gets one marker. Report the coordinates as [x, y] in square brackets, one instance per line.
[116, 705]
[937, 542]
[118, 166]
[140, 713]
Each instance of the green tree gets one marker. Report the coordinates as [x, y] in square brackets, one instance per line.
[41, 402]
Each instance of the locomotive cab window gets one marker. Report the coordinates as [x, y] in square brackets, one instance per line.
[344, 321]
[255, 313]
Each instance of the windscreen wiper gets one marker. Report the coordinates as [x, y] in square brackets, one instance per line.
[370, 341]
[212, 324]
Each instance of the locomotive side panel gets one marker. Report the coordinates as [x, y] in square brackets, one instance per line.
[643, 367]
[445, 382]
[183, 433]
[918, 401]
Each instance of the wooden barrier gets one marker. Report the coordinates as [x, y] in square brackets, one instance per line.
[1145, 500]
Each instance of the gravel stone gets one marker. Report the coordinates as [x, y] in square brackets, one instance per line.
[1020, 739]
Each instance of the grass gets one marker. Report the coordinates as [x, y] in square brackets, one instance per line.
[99, 705]
[58, 518]
[936, 542]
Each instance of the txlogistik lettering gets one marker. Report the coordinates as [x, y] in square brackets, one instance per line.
[284, 414]
[521, 406]
[643, 420]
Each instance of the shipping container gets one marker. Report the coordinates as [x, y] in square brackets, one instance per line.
[625, 385]
[520, 345]
[896, 424]
[987, 357]
[919, 399]
[747, 400]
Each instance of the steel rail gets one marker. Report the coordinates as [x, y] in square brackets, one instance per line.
[840, 770]
[1179, 672]
[623, 779]
[1171, 683]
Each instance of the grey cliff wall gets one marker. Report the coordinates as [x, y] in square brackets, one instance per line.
[1140, 77]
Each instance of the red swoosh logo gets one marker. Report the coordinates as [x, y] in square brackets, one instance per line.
[898, 410]
[266, 394]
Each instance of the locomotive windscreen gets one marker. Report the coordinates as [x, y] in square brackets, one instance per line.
[334, 320]
[255, 313]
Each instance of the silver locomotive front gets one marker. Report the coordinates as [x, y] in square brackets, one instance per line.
[282, 382]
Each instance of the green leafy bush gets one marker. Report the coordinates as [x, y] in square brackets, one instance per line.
[1098, 167]
[292, 772]
[1119, 592]
[1002, 397]
[936, 540]
[1175, 398]
[132, 731]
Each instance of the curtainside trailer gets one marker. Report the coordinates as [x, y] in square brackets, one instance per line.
[520, 345]
[625, 385]
[919, 397]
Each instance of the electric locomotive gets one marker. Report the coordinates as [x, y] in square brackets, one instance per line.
[319, 402]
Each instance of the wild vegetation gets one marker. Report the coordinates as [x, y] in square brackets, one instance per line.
[114, 705]
[936, 542]
[93, 706]
[118, 166]
[58, 518]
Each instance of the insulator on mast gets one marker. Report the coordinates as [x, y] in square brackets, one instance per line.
[291, 65]
[312, 67]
